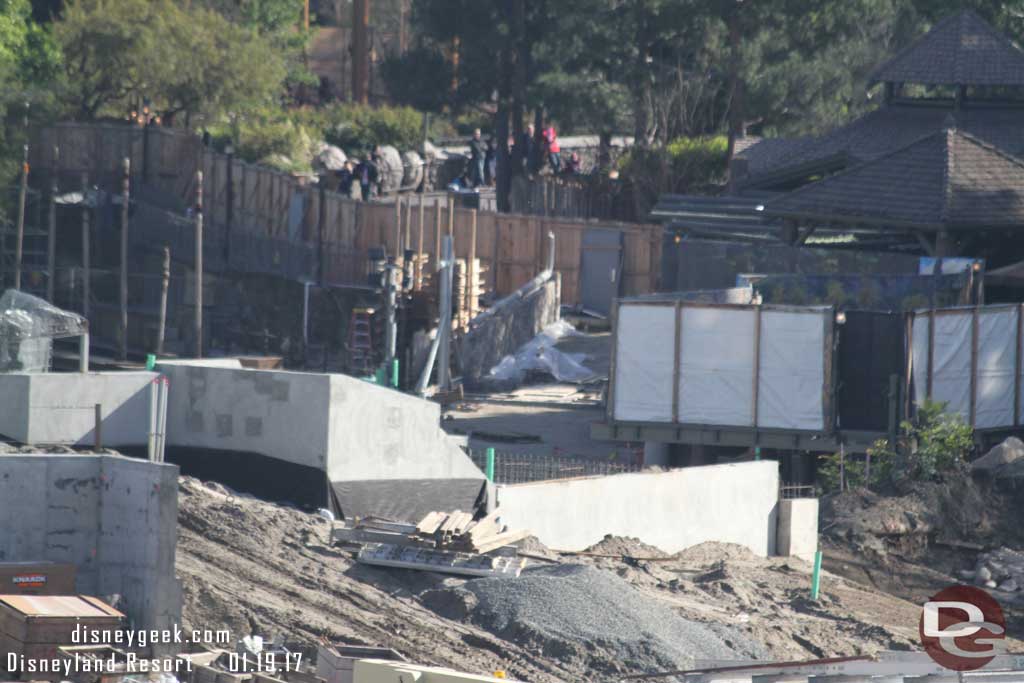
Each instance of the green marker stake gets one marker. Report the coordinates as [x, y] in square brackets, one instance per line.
[816, 577]
[394, 373]
[490, 465]
[150, 361]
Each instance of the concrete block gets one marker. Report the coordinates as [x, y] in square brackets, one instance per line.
[735, 503]
[797, 534]
[59, 408]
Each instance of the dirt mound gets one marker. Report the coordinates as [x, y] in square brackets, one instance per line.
[265, 569]
[625, 546]
[710, 552]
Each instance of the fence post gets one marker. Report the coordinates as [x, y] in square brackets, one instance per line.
[198, 294]
[125, 200]
[86, 265]
[490, 465]
[51, 231]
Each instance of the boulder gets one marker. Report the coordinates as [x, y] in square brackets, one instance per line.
[390, 168]
[413, 170]
[1009, 451]
[329, 158]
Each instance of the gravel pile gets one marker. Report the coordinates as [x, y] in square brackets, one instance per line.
[577, 612]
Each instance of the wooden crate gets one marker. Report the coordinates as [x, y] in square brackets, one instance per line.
[36, 625]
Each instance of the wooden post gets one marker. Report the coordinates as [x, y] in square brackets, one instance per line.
[407, 236]
[437, 234]
[471, 267]
[86, 265]
[398, 228]
[125, 204]
[198, 294]
[419, 251]
[756, 389]
[321, 233]
[360, 51]
[229, 205]
[165, 283]
[20, 236]
[973, 410]
[51, 231]
[676, 359]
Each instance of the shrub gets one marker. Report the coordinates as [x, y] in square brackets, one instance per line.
[684, 165]
[356, 128]
[933, 444]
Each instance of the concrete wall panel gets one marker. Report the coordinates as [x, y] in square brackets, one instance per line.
[279, 414]
[60, 407]
[672, 510]
[379, 433]
[798, 528]
[114, 518]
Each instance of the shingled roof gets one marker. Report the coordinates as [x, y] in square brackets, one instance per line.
[886, 130]
[948, 179]
[962, 49]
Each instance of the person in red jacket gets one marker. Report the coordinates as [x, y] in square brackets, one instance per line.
[554, 151]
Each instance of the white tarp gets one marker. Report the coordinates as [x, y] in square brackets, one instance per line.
[645, 346]
[792, 369]
[716, 372]
[997, 359]
[951, 358]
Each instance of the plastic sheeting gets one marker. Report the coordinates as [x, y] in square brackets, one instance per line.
[28, 325]
[540, 354]
[791, 391]
[716, 366]
[951, 372]
[644, 363]
[951, 358]
[997, 357]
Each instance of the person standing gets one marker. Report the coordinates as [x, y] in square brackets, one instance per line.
[554, 151]
[525, 150]
[477, 159]
[491, 162]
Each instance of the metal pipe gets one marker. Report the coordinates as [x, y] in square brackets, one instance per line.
[20, 237]
[83, 351]
[165, 284]
[445, 325]
[444, 314]
[153, 400]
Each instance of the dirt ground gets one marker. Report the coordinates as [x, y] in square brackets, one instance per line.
[260, 568]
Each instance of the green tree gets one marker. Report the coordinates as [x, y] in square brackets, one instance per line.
[182, 59]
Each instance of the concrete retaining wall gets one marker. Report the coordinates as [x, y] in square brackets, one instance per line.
[672, 510]
[59, 408]
[798, 528]
[114, 518]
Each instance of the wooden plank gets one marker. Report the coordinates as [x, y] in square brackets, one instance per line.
[430, 522]
[502, 540]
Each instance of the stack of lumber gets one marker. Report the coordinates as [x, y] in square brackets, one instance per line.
[458, 531]
[455, 531]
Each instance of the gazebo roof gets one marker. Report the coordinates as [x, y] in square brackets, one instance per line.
[961, 49]
[948, 179]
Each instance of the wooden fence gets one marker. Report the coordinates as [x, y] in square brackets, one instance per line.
[249, 199]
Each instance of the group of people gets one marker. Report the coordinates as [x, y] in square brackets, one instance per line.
[365, 175]
[533, 153]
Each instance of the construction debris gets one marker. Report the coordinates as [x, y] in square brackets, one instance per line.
[449, 542]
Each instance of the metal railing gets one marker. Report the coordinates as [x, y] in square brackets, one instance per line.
[520, 468]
